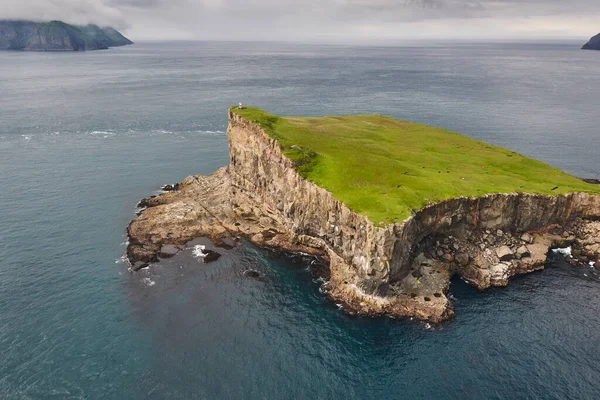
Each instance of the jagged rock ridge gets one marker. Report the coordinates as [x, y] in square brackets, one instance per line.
[57, 36]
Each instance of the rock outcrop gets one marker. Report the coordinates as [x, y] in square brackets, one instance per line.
[593, 44]
[57, 36]
[400, 270]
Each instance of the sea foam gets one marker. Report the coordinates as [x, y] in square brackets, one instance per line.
[199, 251]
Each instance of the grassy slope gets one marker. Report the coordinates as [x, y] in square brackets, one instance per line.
[385, 168]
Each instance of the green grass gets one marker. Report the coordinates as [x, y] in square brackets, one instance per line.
[387, 169]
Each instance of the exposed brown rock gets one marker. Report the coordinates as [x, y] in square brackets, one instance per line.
[374, 270]
[504, 253]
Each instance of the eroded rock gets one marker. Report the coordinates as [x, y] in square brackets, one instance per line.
[504, 253]
[259, 196]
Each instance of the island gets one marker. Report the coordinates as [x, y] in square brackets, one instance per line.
[395, 209]
[593, 44]
[57, 36]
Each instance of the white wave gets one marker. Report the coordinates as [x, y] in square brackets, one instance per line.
[592, 264]
[105, 133]
[199, 251]
[26, 137]
[121, 260]
[567, 251]
[148, 282]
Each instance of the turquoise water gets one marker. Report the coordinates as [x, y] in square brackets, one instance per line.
[84, 136]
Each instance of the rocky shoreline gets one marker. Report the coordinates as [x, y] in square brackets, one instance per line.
[399, 270]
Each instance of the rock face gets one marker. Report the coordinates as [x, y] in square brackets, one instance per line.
[57, 36]
[593, 44]
[400, 270]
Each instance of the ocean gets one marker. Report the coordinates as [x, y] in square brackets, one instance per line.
[85, 136]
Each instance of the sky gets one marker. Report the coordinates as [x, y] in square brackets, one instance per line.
[323, 20]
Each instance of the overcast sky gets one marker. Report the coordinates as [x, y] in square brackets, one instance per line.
[323, 20]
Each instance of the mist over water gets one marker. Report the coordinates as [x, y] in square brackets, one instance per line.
[83, 137]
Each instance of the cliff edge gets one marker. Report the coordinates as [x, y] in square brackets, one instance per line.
[393, 225]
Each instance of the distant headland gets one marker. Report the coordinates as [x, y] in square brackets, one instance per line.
[593, 44]
[57, 36]
[394, 208]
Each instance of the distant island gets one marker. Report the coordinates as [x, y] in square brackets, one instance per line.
[395, 209]
[57, 36]
[593, 44]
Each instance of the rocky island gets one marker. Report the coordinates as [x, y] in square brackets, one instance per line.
[395, 209]
[57, 36]
[593, 44]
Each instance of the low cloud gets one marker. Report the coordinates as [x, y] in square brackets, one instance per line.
[306, 19]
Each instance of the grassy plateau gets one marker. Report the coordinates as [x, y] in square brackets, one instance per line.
[386, 169]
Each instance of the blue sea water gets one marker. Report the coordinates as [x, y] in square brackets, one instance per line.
[84, 136]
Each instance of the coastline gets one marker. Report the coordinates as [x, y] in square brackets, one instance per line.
[400, 270]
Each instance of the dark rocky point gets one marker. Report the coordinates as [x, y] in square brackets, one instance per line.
[593, 44]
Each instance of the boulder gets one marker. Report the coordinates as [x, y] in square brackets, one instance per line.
[527, 238]
[523, 252]
[462, 259]
[504, 253]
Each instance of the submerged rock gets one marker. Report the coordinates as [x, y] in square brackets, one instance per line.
[252, 273]
[211, 256]
[168, 250]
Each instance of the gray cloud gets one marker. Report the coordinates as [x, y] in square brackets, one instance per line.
[293, 19]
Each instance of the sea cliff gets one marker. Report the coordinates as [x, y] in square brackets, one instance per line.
[400, 269]
[57, 36]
